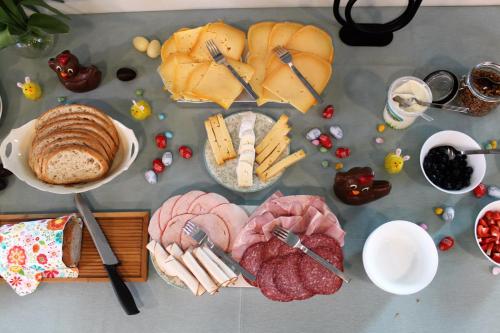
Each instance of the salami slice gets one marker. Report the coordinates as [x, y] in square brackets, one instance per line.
[317, 240]
[252, 259]
[316, 278]
[272, 248]
[287, 278]
[266, 284]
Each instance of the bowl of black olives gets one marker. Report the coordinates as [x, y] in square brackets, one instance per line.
[446, 168]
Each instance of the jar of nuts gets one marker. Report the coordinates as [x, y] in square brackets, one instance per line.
[480, 88]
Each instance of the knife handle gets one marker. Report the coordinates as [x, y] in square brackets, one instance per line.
[122, 291]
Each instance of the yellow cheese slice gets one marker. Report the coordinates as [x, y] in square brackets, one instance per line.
[269, 149]
[181, 76]
[216, 149]
[186, 39]
[222, 137]
[220, 86]
[259, 65]
[282, 165]
[193, 80]
[258, 36]
[275, 154]
[281, 34]
[313, 40]
[168, 67]
[229, 40]
[279, 127]
[285, 84]
[167, 48]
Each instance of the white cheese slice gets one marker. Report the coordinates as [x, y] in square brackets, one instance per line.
[247, 156]
[244, 173]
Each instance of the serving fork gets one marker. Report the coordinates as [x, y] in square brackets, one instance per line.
[192, 230]
[286, 57]
[294, 241]
[219, 58]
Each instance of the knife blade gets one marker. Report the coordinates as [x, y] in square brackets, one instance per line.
[107, 255]
[229, 261]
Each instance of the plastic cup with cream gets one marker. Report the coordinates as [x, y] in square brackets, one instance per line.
[399, 117]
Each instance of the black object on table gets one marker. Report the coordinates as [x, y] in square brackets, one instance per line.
[371, 34]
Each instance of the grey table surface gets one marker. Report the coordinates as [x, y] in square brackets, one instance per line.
[463, 296]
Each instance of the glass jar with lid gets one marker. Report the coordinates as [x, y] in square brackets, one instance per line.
[480, 88]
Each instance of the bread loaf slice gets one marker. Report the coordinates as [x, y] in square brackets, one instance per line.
[110, 129]
[72, 164]
[85, 125]
[72, 242]
[47, 149]
[59, 136]
[68, 109]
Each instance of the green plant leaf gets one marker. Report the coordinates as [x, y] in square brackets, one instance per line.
[6, 18]
[43, 4]
[14, 11]
[47, 23]
[6, 38]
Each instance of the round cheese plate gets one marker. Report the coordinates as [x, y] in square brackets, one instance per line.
[225, 174]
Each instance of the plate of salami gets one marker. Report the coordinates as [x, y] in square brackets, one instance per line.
[283, 274]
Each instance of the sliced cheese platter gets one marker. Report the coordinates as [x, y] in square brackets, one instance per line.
[261, 156]
[191, 76]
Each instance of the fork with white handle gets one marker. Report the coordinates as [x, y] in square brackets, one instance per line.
[294, 241]
[286, 58]
[219, 58]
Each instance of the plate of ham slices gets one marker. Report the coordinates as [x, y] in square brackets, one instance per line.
[283, 274]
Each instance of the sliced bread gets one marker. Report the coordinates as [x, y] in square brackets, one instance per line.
[82, 124]
[57, 136]
[72, 164]
[48, 148]
[70, 108]
[110, 129]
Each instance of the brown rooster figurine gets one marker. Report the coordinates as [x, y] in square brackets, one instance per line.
[72, 75]
[357, 186]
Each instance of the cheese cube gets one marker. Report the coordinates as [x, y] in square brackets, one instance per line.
[244, 173]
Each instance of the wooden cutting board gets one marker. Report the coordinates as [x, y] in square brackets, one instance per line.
[127, 233]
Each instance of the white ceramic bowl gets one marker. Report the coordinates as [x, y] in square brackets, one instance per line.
[18, 144]
[400, 257]
[460, 141]
[495, 205]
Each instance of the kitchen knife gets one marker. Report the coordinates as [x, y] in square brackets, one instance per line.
[108, 258]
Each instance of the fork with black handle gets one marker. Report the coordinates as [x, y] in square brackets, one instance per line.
[219, 58]
[286, 58]
[294, 241]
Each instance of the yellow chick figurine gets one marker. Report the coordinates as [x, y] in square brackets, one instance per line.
[140, 110]
[394, 162]
[31, 90]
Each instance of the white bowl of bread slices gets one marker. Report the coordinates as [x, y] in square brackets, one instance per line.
[69, 149]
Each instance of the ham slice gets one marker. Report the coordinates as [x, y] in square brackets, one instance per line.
[173, 231]
[303, 214]
[215, 228]
[205, 203]
[165, 213]
[154, 226]
[234, 217]
[182, 205]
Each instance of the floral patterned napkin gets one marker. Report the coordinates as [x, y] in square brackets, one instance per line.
[30, 251]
